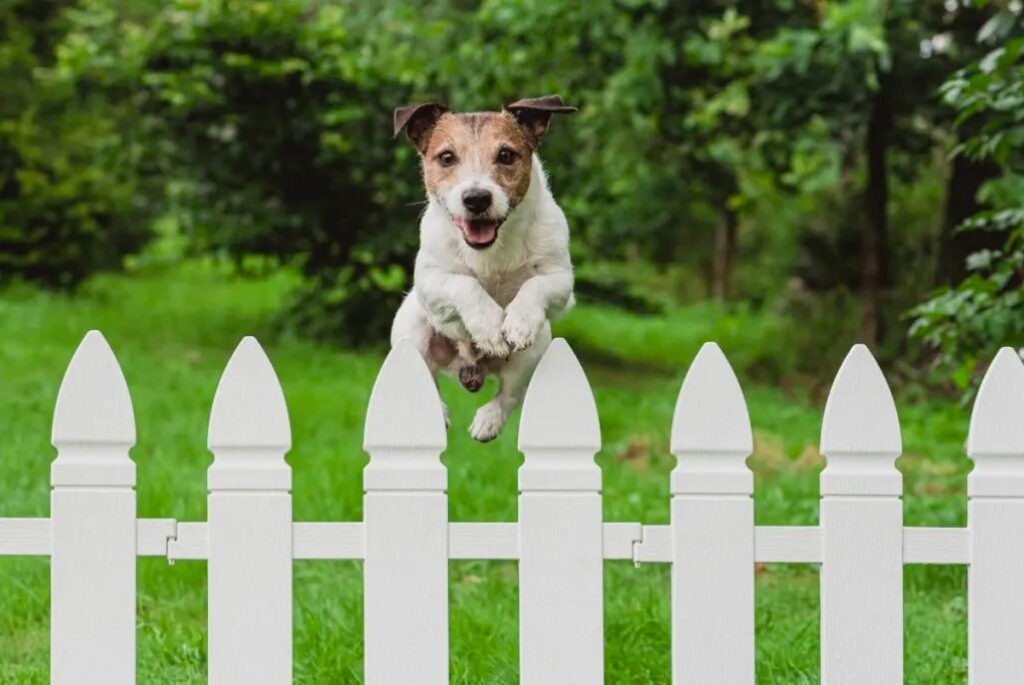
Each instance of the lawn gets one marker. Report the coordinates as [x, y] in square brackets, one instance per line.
[174, 329]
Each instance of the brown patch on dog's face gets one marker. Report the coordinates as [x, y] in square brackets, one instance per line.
[485, 145]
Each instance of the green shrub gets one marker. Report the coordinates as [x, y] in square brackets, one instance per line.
[68, 203]
[282, 126]
[967, 323]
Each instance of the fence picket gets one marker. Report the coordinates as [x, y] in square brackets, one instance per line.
[561, 596]
[995, 518]
[712, 527]
[92, 507]
[862, 529]
[405, 513]
[250, 525]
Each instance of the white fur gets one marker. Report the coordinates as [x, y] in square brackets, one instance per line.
[470, 176]
[501, 298]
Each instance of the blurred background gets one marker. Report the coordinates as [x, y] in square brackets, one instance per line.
[786, 177]
[848, 167]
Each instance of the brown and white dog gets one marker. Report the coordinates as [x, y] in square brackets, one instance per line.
[493, 268]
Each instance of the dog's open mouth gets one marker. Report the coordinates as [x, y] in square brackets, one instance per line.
[478, 233]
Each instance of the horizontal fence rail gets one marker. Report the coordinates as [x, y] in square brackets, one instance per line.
[180, 541]
[560, 542]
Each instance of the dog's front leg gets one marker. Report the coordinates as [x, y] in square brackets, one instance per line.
[458, 298]
[539, 299]
[514, 377]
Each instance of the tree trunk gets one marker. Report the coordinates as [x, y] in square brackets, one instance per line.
[726, 233]
[965, 178]
[873, 246]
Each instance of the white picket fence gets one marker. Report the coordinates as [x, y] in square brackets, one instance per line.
[560, 541]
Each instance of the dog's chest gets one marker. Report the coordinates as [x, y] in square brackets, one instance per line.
[502, 286]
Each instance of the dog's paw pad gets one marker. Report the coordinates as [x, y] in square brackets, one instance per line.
[471, 377]
[487, 423]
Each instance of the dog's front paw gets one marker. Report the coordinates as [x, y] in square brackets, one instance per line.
[521, 326]
[487, 422]
[485, 330]
[494, 346]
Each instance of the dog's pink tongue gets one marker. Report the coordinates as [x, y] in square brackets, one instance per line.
[479, 232]
[482, 231]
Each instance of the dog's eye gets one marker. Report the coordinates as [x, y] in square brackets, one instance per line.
[446, 158]
[506, 156]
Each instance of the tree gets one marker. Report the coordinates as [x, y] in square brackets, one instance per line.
[966, 323]
[863, 72]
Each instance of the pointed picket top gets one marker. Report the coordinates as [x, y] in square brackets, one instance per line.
[93, 420]
[860, 414]
[997, 421]
[405, 428]
[711, 436]
[249, 430]
[860, 432]
[559, 431]
[249, 408]
[995, 441]
[93, 404]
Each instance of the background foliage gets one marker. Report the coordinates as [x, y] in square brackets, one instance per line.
[68, 175]
[972, 319]
[830, 162]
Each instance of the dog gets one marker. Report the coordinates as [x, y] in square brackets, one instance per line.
[493, 268]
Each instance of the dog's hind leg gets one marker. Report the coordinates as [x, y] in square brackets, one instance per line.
[514, 376]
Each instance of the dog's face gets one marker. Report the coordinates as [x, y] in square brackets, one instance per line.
[478, 165]
[478, 168]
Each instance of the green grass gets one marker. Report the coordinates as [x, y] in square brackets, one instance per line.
[173, 332]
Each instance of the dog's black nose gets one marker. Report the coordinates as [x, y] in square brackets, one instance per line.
[477, 200]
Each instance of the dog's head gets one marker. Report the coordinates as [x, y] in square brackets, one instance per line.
[478, 165]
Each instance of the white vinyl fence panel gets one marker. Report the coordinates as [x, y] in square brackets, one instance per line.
[405, 513]
[250, 525]
[712, 527]
[995, 517]
[861, 529]
[93, 534]
[92, 514]
[561, 594]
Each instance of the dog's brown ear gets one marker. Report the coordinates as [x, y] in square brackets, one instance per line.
[418, 121]
[534, 114]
